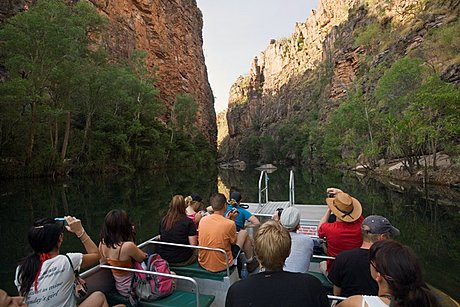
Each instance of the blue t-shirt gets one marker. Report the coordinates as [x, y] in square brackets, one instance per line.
[242, 217]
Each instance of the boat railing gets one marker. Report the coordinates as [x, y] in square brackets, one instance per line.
[323, 257]
[263, 188]
[291, 188]
[263, 177]
[195, 247]
[336, 297]
[189, 279]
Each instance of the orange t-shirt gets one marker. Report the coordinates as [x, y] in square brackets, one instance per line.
[217, 232]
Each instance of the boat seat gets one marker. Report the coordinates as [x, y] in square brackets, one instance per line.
[177, 298]
[196, 271]
[324, 280]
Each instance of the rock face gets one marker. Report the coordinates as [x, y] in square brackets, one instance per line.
[10, 8]
[170, 31]
[222, 126]
[312, 69]
[269, 92]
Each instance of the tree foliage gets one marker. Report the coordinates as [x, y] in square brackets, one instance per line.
[410, 114]
[67, 105]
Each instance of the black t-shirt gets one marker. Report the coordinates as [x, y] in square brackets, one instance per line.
[179, 233]
[277, 289]
[351, 273]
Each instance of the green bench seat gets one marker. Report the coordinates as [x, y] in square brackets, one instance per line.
[178, 298]
[324, 280]
[196, 271]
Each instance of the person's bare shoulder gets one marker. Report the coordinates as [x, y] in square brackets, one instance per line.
[352, 301]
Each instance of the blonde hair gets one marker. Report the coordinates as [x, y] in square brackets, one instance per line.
[373, 237]
[272, 245]
[196, 205]
[188, 200]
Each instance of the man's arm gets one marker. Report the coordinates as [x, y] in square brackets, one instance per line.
[325, 217]
[254, 220]
[337, 290]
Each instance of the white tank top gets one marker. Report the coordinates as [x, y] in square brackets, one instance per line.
[373, 301]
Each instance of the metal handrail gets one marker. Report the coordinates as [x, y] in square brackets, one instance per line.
[265, 189]
[291, 188]
[196, 247]
[335, 297]
[197, 292]
[323, 257]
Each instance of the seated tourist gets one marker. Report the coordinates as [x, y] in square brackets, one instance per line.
[350, 272]
[243, 214]
[33, 275]
[219, 231]
[176, 227]
[398, 274]
[301, 245]
[193, 206]
[117, 248]
[273, 286]
[345, 232]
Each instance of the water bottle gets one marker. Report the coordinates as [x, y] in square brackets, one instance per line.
[244, 271]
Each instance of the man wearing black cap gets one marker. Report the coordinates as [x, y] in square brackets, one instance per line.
[350, 272]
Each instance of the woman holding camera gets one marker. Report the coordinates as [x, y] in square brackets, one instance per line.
[45, 277]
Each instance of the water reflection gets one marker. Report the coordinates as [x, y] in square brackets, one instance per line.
[144, 196]
[428, 218]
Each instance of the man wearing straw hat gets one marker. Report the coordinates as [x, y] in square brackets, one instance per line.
[345, 232]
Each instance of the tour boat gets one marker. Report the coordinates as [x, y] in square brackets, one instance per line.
[197, 287]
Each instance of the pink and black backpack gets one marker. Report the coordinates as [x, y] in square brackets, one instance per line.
[150, 287]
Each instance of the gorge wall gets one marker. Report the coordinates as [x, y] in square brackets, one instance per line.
[305, 75]
[170, 31]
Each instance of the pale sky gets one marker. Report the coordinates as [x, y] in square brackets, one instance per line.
[235, 31]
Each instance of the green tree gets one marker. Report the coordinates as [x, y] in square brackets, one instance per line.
[41, 48]
[291, 139]
[66, 98]
[394, 92]
[436, 109]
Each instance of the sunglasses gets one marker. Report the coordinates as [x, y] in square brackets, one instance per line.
[388, 278]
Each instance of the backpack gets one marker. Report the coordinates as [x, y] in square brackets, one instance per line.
[150, 287]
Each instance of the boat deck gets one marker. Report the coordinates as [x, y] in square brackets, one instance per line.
[309, 214]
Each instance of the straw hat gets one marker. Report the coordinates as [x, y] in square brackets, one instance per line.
[346, 208]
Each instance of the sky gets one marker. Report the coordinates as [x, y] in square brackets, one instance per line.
[235, 31]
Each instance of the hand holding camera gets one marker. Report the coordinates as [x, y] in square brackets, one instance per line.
[331, 192]
[232, 214]
[74, 225]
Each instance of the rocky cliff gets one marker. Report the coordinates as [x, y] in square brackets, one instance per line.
[305, 75]
[222, 126]
[170, 31]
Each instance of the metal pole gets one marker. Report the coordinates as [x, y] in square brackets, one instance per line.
[291, 188]
[260, 187]
[266, 187]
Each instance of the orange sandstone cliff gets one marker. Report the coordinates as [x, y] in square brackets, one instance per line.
[170, 31]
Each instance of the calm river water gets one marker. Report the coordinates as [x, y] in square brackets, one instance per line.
[429, 218]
